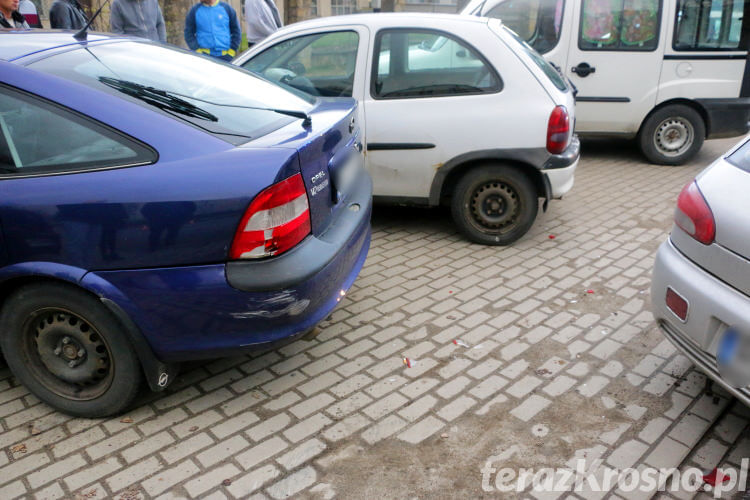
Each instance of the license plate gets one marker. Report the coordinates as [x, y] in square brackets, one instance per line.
[345, 175]
[728, 346]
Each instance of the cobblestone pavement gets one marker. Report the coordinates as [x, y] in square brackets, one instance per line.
[548, 373]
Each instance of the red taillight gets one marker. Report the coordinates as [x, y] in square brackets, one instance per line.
[694, 216]
[677, 304]
[276, 220]
[558, 130]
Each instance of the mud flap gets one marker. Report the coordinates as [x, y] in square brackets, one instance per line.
[158, 374]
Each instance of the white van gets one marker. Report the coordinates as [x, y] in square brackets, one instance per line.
[667, 72]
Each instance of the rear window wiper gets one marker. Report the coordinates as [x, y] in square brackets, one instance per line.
[162, 99]
[306, 119]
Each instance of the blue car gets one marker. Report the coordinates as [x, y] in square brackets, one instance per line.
[157, 206]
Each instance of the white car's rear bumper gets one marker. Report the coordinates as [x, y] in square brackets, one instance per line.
[561, 179]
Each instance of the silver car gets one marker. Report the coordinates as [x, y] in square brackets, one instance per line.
[700, 291]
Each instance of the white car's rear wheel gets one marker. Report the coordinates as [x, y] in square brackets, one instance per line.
[494, 204]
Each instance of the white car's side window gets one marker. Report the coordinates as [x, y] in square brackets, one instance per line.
[426, 63]
[321, 64]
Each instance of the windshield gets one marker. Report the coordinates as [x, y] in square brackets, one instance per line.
[192, 88]
[741, 157]
[552, 73]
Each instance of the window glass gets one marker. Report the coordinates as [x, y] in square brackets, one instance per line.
[537, 22]
[619, 25]
[428, 64]
[552, 72]
[741, 157]
[320, 64]
[219, 98]
[708, 24]
[341, 7]
[39, 137]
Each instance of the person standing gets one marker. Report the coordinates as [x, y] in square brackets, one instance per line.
[141, 18]
[29, 12]
[67, 15]
[9, 15]
[262, 18]
[212, 28]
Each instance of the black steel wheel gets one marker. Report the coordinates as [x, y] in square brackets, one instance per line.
[68, 350]
[494, 205]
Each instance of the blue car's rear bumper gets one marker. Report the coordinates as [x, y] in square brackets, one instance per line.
[216, 310]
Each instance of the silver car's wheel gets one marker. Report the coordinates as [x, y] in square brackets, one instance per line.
[674, 136]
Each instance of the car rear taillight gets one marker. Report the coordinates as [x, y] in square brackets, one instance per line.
[276, 220]
[677, 304]
[558, 130]
[694, 216]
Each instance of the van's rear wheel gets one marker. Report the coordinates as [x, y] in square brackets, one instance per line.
[672, 135]
[494, 205]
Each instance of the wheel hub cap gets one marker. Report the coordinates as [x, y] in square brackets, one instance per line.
[494, 205]
[674, 136]
[71, 350]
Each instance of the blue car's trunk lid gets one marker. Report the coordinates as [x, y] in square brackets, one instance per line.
[329, 150]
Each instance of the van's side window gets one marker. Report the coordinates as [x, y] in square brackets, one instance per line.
[619, 25]
[708, 24]
[538, 22]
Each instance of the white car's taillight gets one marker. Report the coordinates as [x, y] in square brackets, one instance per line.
[276, 220]
[558, 130]
[694, 216]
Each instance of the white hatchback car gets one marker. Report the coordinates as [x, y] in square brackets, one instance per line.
[456, 111]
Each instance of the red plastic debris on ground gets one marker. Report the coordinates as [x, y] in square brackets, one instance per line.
[409, 363]
[460, 342]
[552, 236]
[715, 476]
[589, 291]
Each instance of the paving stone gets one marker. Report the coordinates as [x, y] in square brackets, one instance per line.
[302, 453]
[530, 407]
[345, 427]
[201, 484]
[421, 430]
[252, 481]
[292, 484]
[257, 454]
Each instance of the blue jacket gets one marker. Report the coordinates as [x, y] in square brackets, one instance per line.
[213, 30]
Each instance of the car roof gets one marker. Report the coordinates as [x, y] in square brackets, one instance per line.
[15, 44]
[386, 19]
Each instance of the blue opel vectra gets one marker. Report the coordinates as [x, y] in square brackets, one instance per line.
[157, 206]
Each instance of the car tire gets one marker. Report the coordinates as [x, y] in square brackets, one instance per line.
[672, 135]
[68, 350]
[494, 204]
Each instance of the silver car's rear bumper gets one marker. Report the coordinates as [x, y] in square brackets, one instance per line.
[704, 361]
[713, 305]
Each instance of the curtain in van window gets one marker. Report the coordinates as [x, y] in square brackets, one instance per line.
[639, 22]
[601, 22]
[619, 25]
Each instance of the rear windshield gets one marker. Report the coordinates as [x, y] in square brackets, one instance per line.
[741, 157]
[552, 73]
[217, 97]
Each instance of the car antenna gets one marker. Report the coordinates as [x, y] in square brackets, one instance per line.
[83, 33]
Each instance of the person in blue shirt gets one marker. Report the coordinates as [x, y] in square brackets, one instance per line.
[212, 28]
